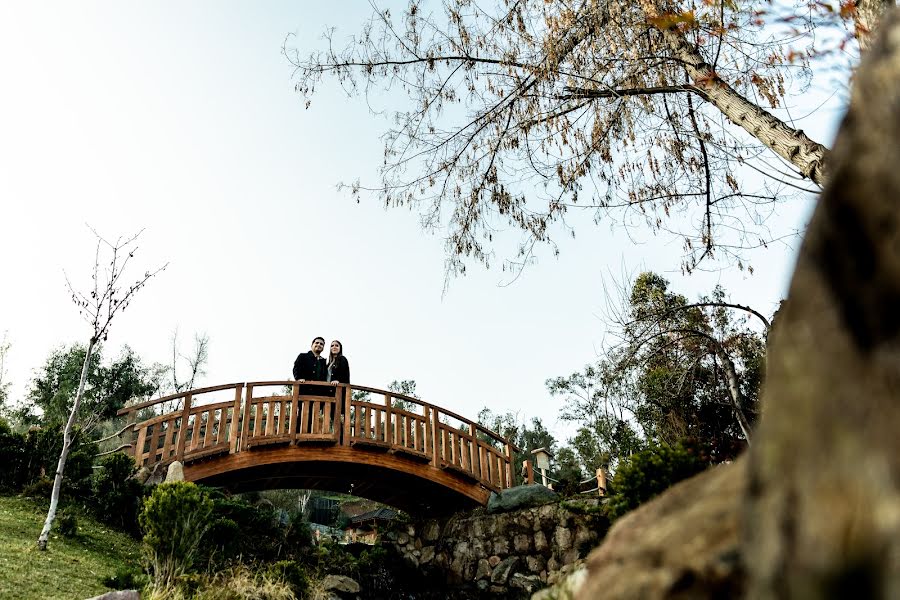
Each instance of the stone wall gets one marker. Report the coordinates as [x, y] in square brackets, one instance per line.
[511, 554]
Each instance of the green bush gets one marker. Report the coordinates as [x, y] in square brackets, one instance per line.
[67, 524]
[175, 519]
[13, 458]
[293, 574]
[116, 497]
[42, 488]
[649, 472]
[126, 578]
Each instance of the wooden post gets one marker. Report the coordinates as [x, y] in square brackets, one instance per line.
[182, 430]
[390, 433]
[601, 481]
[529, 472]
[345, 414]
[435, 461]
[476, 447]
[295, 411]
[236, 419]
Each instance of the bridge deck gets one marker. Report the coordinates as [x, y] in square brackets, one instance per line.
[282, 434]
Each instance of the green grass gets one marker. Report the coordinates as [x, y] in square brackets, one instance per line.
[70, 568]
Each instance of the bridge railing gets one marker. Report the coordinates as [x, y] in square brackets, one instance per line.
[264, 413]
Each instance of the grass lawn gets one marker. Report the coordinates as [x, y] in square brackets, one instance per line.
[71, 568]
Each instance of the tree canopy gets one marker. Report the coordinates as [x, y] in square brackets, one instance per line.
[522, 111]
[109, 386]
[679, 370]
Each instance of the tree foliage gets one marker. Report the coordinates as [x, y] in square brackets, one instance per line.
[109, 386]
[522, 111]
[679, 370]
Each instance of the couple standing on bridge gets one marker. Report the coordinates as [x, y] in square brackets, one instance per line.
[311, 366]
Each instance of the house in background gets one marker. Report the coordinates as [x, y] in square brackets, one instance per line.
[364, 528]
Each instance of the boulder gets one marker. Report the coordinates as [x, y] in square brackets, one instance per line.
[522, 496]
[340, 584]
[120, 595]
[685, 543]
[175, 472]
[565, 589]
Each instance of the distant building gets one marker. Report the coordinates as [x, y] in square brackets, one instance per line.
[364, 528]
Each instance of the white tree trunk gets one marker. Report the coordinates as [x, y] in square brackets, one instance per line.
[791, 144]
[67, 442]
[734, 390]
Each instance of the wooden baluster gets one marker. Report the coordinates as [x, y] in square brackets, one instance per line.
[478, 458]
[245, 427]
[295, 411]
[168, 447]
[154, 444]
[326, 414]
[235, 419]
[357, 417]
[429, 434]
[270, 418]
[390, 433]
[305, 417]
[182, 429]
[139, 447]
[210, 425]
[345, 415]
[379, 428]
[258, 430]
[507, 470]
[221, 424]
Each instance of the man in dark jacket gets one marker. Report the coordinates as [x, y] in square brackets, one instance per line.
[310, 366]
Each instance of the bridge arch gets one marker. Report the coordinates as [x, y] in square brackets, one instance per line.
[373, 443]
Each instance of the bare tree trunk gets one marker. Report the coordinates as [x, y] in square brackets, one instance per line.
[64, 454]
[734, 390]
[791, 144]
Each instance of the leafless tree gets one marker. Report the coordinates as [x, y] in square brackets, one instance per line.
[523, 111]
[109, 295]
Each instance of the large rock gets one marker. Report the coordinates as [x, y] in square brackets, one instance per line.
[683, 544]
[340, 584]
[175, 472]
[521, 496]
[120, 595]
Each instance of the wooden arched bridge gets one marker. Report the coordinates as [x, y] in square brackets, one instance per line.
[373, 443]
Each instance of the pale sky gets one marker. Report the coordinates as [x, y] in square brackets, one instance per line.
[180, 118]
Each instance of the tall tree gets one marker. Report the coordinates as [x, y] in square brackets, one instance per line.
[679, 370]
[523, 110]
[108, 295]
[4, 384]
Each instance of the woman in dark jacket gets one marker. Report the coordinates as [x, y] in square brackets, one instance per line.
[338, 367]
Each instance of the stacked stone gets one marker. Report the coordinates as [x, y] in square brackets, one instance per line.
[510, 554]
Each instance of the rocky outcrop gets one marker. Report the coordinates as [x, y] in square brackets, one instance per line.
[683, 544]
[519, 497]
[511, 554]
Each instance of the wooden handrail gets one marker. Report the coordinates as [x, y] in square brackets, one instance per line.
[135, 407]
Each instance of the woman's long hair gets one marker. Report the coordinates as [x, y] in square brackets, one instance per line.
[332, 356]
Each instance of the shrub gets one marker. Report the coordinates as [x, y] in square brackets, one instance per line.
[649, 472]
[42, 488]
[116, 496]
[126, 578]
[67, 524]
[175, 519]
[13, 456]
[291, 573]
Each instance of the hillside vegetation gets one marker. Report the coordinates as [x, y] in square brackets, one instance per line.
[73, 567]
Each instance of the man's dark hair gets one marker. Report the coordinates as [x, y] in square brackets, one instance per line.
[317, 338]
